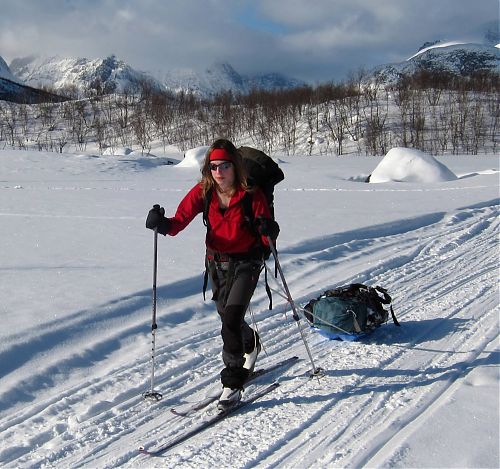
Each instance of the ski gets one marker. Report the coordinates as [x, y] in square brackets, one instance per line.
[212, 420]
[189, 409]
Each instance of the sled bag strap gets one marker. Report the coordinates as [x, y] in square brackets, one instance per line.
[387, 300]
[355, 322]
[396, 322]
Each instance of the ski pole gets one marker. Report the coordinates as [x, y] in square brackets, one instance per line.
[315, 371]
[152, 394]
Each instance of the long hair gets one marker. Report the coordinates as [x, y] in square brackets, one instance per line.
[240, 178]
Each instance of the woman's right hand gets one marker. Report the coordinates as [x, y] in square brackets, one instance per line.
[156, 220]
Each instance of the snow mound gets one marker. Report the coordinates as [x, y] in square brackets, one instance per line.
[117, 151]
[194, 158]
[409, 165]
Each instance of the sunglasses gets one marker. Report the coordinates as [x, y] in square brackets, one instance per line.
[221, 166]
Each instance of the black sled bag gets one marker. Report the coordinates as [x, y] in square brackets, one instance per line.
[350, 312]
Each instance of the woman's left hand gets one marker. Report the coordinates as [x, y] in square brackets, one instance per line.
[268, 227]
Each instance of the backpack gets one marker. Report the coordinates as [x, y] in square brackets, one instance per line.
[263, 172]
[350, 311]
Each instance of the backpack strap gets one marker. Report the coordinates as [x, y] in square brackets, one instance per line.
[206, 205]
[268, 288]
[205, 279]
[246, 202]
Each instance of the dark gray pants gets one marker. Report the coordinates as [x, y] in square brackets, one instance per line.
[233, 284]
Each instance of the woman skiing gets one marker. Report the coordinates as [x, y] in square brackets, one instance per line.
[235, 252]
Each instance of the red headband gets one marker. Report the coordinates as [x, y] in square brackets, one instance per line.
[220, 154]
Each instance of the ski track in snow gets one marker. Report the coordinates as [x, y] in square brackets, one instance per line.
[373, 391]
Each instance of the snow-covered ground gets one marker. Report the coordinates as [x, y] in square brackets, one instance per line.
[75, 286]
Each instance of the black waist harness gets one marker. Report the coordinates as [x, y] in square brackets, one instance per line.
[226, 261]
[254, 253]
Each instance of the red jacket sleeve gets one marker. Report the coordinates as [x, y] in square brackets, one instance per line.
[190, 206]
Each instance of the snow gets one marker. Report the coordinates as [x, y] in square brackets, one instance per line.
[62, 72]
[194, 158]
[438, 46]
[454, 57]
[76, 273]
[122, 151]
[410, 165]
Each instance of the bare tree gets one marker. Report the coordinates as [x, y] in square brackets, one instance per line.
[8, 114]
[142, 129]
[61, 141]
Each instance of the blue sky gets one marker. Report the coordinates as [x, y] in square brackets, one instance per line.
[313, 40]
[250, 16]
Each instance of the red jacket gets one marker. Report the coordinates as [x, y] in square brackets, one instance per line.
[229, 233]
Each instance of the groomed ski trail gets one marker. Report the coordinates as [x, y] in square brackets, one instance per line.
[372, 390]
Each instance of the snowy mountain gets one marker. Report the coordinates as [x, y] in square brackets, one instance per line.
[12, 89]
[223, 77]
[5, 71]
[16, 92]
[461, 59]
[115, 75]
[109, 74]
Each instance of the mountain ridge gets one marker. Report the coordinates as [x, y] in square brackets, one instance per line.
[108, 75]
[457, 58]
[114, 75]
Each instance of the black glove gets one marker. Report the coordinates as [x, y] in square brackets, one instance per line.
[156, 219]
[268, 227]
